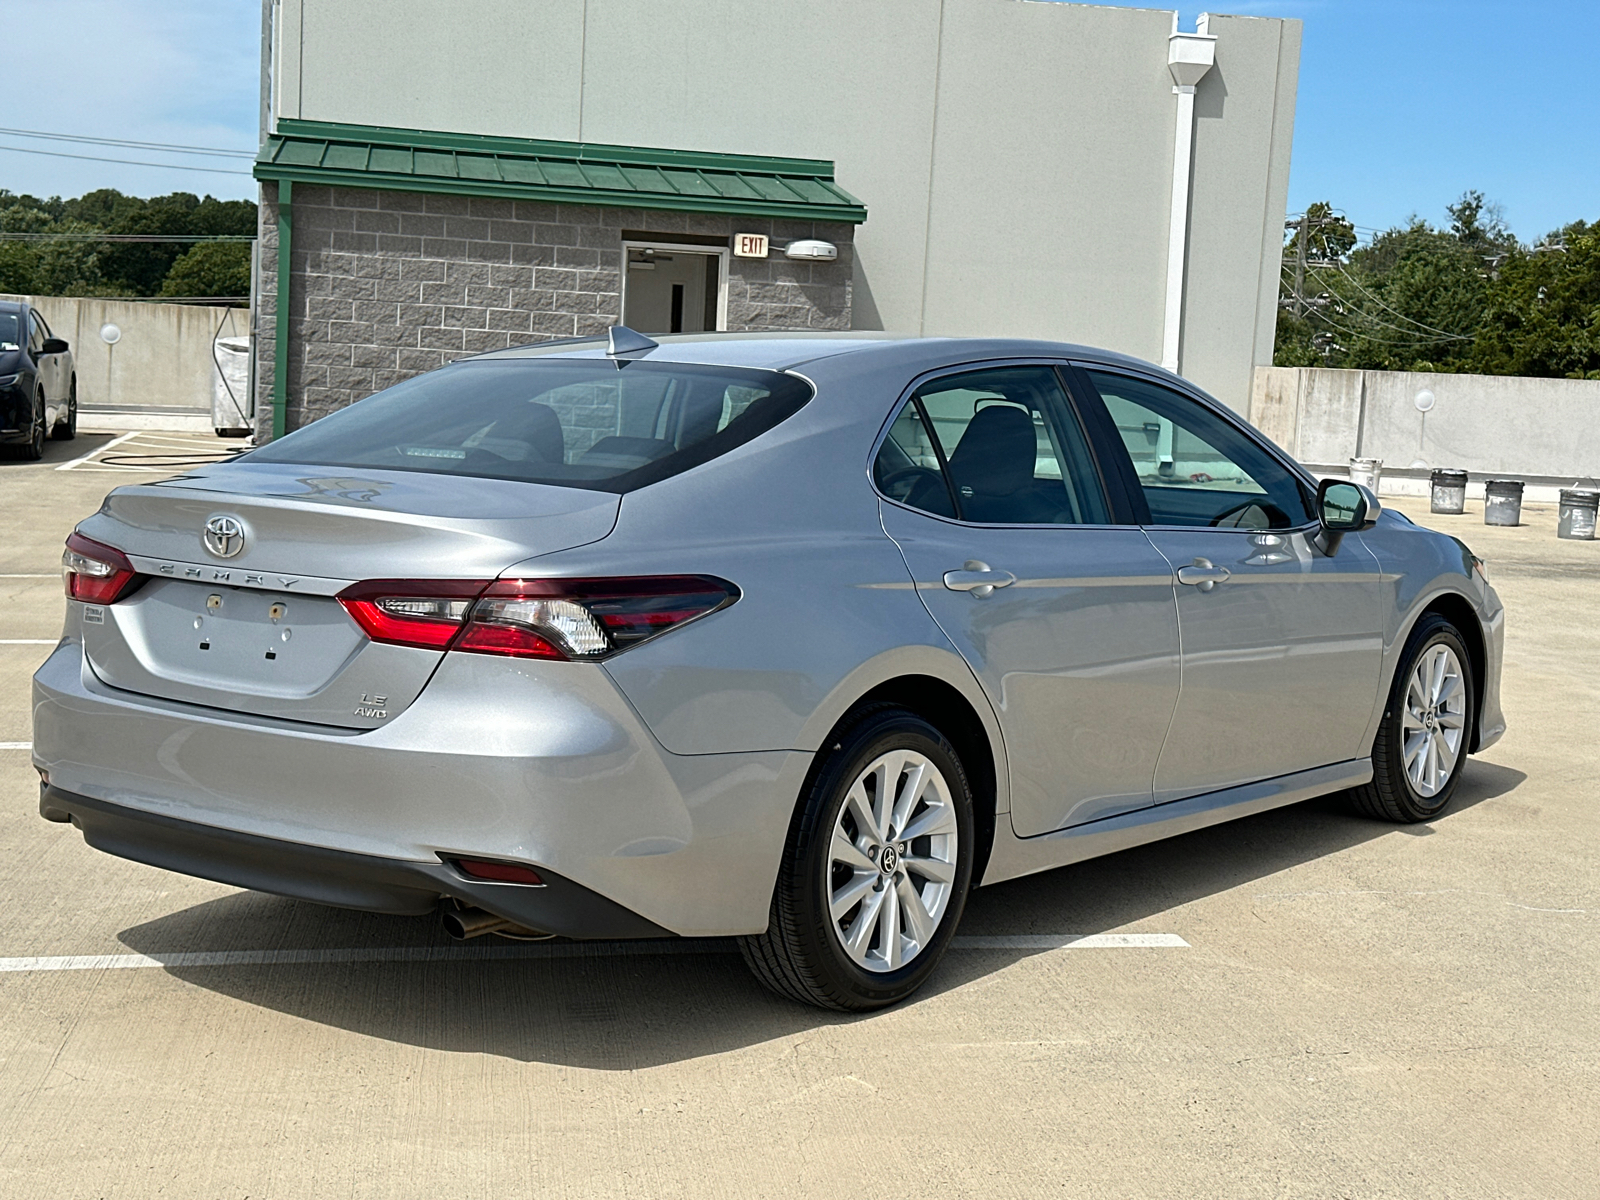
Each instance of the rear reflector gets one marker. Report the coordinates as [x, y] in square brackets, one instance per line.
[497, 872]
[96, 573]
[424, 613]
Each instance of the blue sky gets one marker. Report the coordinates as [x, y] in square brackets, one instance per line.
[1403, 104]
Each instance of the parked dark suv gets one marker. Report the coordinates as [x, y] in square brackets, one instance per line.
[38, 382]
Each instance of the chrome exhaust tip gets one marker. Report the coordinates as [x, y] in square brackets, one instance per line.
[462, 923]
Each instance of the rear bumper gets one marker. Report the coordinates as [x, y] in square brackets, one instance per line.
[544, 764]
[335, 877]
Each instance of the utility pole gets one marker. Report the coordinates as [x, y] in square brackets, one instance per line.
[1300, 265]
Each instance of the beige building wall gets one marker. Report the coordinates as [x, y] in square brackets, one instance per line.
[1015, 156]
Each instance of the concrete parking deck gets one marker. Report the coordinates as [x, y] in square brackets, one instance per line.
[1333, 1008]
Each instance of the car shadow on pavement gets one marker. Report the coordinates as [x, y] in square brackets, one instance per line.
[631, 1009]
[58, 452]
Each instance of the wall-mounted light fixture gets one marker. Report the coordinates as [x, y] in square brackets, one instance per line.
[811, 250]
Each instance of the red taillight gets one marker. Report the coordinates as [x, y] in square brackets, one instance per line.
[497, 872]
[587, 619]
[94, 572]
[572, 619]
[425, 613]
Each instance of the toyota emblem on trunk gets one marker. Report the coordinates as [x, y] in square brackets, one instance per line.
[224, 536]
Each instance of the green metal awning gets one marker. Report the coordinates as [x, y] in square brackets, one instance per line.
[414, 160]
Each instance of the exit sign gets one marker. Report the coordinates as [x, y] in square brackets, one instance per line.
[749, 245]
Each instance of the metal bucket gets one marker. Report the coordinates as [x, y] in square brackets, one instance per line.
[1366, 472]
[1577, 514]
[1502, 502]
[1448, 491]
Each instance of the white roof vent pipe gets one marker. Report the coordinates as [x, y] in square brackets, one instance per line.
[1189, 57]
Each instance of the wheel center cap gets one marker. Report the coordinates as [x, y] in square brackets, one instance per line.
[889, 861]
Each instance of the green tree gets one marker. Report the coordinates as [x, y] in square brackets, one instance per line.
[86, 266]
[1412, 300]
[1542, 312]
[210, 269]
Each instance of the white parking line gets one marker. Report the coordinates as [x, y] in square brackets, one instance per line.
[28, 641]
[16, 745]
[31, 575]
[265, 958]
[116, 441]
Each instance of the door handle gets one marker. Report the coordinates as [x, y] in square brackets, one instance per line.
[1203, 574]
[979, 578]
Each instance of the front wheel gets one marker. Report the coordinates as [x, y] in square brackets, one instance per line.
[68, 429]
[876, 869]
[33, 449]
[1423, 741]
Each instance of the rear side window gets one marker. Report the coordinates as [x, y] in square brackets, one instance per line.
[589, 423]
[1001, 446]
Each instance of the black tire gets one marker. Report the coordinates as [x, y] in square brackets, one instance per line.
[1390, 796]
[33, 449]
[68, 429]
[799, 956]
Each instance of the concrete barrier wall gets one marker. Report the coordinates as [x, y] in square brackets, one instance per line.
[163, 362]
[1485, 424]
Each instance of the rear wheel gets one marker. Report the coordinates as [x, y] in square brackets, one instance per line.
[876, 869]
[1422, 743]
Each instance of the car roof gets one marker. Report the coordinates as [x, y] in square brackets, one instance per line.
[15, 306]
[786, 351]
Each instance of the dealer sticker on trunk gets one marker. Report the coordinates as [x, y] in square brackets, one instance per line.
[94, 615]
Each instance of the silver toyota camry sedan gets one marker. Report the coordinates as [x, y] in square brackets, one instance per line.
[792, 638]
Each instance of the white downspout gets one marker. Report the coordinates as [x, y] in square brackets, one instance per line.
[1189, 57]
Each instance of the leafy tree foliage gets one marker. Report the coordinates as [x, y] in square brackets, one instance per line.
[1466, 297]
[210, 269]
[90, 268]
[1543, 310]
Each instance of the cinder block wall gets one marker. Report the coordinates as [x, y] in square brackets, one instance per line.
[390, 284]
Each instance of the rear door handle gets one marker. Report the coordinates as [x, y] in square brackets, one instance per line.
[1204, 574]
[979, 578]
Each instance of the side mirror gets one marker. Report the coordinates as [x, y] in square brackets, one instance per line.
[1343, 507]
[54, 346]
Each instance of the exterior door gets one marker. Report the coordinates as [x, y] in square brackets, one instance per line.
[52, 373]
[1282, 644]
[1067, 620]
[44, 364]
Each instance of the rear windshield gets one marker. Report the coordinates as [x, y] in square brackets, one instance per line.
[10, 338]
[574, 423]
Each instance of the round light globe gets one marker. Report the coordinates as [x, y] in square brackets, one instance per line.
[1425, 401]
[110, 334]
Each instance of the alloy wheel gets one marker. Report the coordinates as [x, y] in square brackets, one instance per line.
[892, 861]
[1434, 721]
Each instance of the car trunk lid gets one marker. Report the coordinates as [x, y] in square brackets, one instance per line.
[259, 631]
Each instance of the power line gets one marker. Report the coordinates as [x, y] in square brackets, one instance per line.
[128, 161]
[126, 237]
[1419, 324]
[164, 147]
[1413, 338]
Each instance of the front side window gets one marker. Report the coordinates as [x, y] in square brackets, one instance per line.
[999, 446]
[35, 333]
[587, 423]
[1195, 468]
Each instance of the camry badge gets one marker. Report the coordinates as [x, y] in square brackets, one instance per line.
[224, 536]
